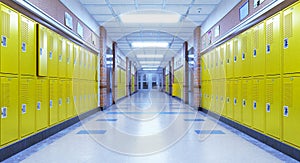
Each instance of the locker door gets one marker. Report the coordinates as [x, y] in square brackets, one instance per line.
[247, 101]
[217, 63]
[209, 94]
[70, 65]
[229, 98]
[291, 36]
[273, 45]
[9, 109]
[69, 99]
[259, 104]
[215, 97]
[203, 92]
[9, 41]
[237, 101]
[273, 106]
[222, 62]
[27, 106]
[203, 68]
[222, 96]
[76, 62]
[76, 96]
[42, 103]
[42, 51]
[212, 64]
[62, 58]
[82, 63]
[245, 59]
[27, 46]
[237, 57]
[53, 102]
[229, 59]
[291, 111]
[258, 50]
[52, 54]
[62, 108]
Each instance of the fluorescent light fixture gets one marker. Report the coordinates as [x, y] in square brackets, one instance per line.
[148, 66]
[150, 69]
[150, 44]
[150, 18]
[150, 62]
[191, 55]
[109, 56]
[150, 56]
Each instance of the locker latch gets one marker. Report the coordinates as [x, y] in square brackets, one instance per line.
[51, 104]
[228, 61]
[38, 106]
[254, 53]
[286, 43]
[50, 55]
[3, 112]
[268, 107]
[41, 51]
[68, 100]
[235, 59]
[254, 105]
[268, 48]
[60, 57]
[286, 111]
[228, 100]
[23, 47]
[244, 102]
[60, 101]
[3, 41]
[234, 101]
[243, 56]
[23, 108]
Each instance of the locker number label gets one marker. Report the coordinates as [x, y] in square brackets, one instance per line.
[50, 55]
[38, 105]
[254, 53]
[268, 48]
[268, 107]
[4, 41]
[23, 108]
[23, 47]
[243, 56]
[51, 103]
[286, 111]
[41, 51]
[286, 43]
[234, 101]
[3, 112]
[254, 105]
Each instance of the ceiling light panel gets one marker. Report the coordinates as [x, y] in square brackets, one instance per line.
[154, 56]
[182, 2]
[150, 44]
[141, 18]
[150, 1]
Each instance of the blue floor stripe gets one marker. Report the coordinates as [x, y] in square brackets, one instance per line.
[92, 132]
[209, 132]
[107, 120]
[193, 120]
[150, 113]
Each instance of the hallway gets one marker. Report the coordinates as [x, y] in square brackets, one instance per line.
[150, 126]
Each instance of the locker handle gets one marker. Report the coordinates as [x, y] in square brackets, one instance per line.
[254, 53]
[38, 107]
[3, 112]
[23, 108]
[23, 47]
[268, 107]
[4, 41]
[286, 43]
[286, 111]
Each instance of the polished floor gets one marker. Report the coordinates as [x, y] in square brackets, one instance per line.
[150, 127]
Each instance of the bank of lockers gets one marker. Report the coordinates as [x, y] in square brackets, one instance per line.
[53, 101]
[9, 28]
[9, 123]
[27, 107]
[62, 107]
[62, 57]
[69, 59]
[52, 52]
[291, 36]
[258, 97]
[290, 110]
[258, 50]
[42, 103]
[27, 46]
[273, 45]
[273, 107]
[246, 101]
[42, 51]
[237, 101]
[229, 59]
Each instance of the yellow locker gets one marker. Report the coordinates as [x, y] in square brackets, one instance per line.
[203, 68]
[9, 41]
[290, 110]
[96, 89]
[132, 83]
[237, 100]
[222, 62]
[9, 109]
[273, 45]
[42, 51]
[291, 36]
[69, 99]
[27, 51]
[209, 94]
[53, 102]
[212, 64]
[229, 98]
[42, 103]
[246, 101]
[70, 55]
[273, 106]
[258, 50]
[89, 65]
[203, 93]
[52, 48]
[217, 64]
[76, 60]
[229, 59]
[222, 97]
[76, 96]
[214, 96]
[82, 54]
[27, 106]
[62, 107]
[258, 96]
[237, 57]
[62, 57]
[245, 53]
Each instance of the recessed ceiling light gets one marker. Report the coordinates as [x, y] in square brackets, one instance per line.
[150, 62]
[149, 56]
[150, 18]
[150, 69]
[149, 66]
[150, 44]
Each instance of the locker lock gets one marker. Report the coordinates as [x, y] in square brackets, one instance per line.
[3, 41]
[286, 43]
[3, 112]
[23, 108]
[38, 106]
[51, 103]
[234, 101]
[268, 48]
[23, 47]
[244, 102]
[268, 107]
[254, 105]
[254, 53]
[243, 56]
[286, 111]
[235, 59]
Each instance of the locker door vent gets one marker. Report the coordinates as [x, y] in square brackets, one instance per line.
[270, 33]
[5, 24]
[288, 25]
[288, 96]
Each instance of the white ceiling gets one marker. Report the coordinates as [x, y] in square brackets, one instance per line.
[107, 13]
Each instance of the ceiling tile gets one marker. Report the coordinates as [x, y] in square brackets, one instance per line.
[202, 9]
[150, 7]
[180, 9]
[197, 18]
[121, 1]
[98, 9]
[91, 2]
[122, 9]
[150, 1]
[187, 2]
[101, 18]
[207, 1]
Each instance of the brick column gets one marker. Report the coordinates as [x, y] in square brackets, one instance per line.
[186, 74]
[114, 73]
[170, 78]
[197, 68]
[127, 76]
[103, 73]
